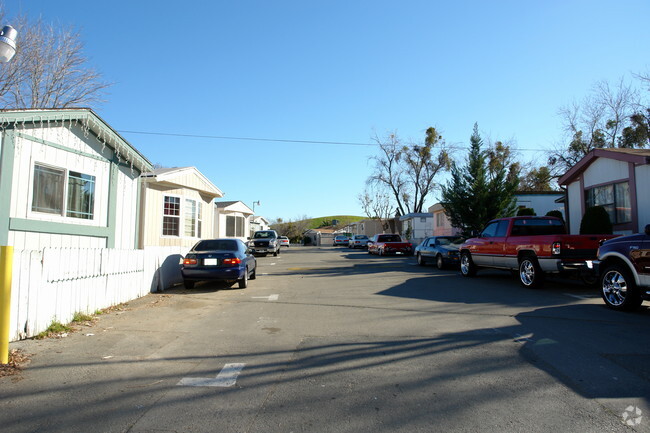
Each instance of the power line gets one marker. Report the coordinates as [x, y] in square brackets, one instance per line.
[456, 146]
[277, 140]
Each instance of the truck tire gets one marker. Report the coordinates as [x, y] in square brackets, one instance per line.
[618, 288]
[531, 275]
[467, 266]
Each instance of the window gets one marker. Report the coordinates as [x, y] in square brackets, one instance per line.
[50, 188]
[190, 217]
[495, 229]
[199, 219]
[171, 216]
[234, 226]
[615, 198]
[440, 219]
[81, 195]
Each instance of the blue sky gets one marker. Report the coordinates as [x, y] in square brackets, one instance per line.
[340, 71]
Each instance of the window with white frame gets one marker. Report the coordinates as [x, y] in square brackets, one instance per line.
[234, 226]
[171, 216]
[190, 217]
[615, 198]
[63, 192]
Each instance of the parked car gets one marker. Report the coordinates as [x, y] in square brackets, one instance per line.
[341, 240]
[228, 260]
[441, 250]
[623, 267]
[532, 247]
[284, 241]
[389, 244]
[265, 242]
[358, 241]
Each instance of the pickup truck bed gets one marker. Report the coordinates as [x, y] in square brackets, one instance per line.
[532, 246]
[389, 244]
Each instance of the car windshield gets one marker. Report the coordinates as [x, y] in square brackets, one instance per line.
[361, 237]
[449, 241]
[263, 235]
[216, 245]
[341, 237]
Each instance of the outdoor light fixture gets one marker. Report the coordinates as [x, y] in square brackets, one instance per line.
[7, 43]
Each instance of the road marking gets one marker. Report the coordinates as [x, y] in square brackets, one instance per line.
[227, 377]
[268, 298]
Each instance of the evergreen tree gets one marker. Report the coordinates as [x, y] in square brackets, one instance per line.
[481, 190]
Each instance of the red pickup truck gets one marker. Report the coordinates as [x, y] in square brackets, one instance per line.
[531, 246]
[389, 244]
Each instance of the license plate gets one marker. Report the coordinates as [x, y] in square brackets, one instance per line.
[210, 262]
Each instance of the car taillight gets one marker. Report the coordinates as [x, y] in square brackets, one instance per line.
[232, 262]
[556, 248]
[189, 262]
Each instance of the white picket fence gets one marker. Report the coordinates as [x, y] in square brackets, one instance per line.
[55, 283]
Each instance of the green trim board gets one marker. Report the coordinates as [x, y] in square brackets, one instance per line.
[37, 226]
[64, 148]
[6, 179]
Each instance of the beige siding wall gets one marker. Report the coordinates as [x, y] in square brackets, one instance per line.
[642, 195]
[152, 220]
[604, 170]
[575, 207]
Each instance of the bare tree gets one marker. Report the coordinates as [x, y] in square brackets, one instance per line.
[409, 171]
[377, 204]
[49, 69]
[598, 121]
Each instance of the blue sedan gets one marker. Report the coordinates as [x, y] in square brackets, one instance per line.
[443, 250]
[228, 260]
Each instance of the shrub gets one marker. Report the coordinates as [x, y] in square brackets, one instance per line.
[595, 221]
[525, 211]
[555, 213]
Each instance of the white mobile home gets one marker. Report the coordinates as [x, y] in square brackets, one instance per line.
[618, 180]
[67, 179]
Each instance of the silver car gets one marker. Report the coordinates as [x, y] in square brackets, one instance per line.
[358, 241]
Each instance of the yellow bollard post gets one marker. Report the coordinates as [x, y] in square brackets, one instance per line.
[6, 265]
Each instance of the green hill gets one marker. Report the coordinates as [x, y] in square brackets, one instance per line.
[326, 221]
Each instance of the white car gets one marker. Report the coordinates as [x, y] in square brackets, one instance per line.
[284, 241]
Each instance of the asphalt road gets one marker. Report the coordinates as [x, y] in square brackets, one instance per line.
[334, 340]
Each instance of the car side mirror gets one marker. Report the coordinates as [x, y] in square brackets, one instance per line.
[647, 229]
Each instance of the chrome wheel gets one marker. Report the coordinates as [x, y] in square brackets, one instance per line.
[467, 267]
[440, 264]
[614, 288]
[421, 261]
[527, 272]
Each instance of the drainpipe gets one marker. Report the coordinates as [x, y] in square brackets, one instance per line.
[6, 264]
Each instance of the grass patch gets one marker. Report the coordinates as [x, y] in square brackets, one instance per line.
[55, 329]
[80, 317]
